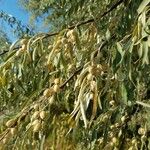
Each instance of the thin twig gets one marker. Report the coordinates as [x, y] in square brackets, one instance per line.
[75, 73]
[5, 51]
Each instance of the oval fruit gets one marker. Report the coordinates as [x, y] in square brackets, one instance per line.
[36, 106]
[90, 77]
[141, 131]
[13, 131]
[37, 127]
[10, 123]
[35, 122]
[47, 93]
[23, 41]
[35, 115]
[42, 114]
[57, 81]
[51, 100]
[56, 88]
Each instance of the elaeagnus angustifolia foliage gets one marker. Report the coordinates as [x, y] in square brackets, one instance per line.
[85, 86]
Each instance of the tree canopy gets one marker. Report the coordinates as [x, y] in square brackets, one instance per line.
[82, 85]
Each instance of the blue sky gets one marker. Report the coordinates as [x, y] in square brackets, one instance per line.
[13, 8]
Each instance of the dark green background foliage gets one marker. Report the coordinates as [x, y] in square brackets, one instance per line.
[82, 85]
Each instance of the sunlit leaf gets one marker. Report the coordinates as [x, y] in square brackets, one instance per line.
[143, 5]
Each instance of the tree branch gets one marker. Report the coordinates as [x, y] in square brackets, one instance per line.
[90, 20]
[82, 23]
[75, 73]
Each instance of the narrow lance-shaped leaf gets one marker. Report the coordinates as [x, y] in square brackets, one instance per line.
[145, 59]
[143, 5]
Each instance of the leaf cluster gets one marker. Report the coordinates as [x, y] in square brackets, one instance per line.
[85, 87]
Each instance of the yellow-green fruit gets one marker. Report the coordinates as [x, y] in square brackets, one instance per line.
[23, 41]
[5, 140]
[134, 141]
[13, 131]
[105, 118]
[42, 114]
[35, 115]
[10, 123]
[115, 140]
[57, 81]
[56, 88]
[71, 67]
[117, 125]
[141, 131]
[50, 46]
[99, 66]
[112, 126]
[19, 52]
[36, 106]
[100, 140]
[90, 77]
[70, 33]
[91, 95]
[35, 122]
[123, 118]
[37, 127]
[51, 100]
[47, 93]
